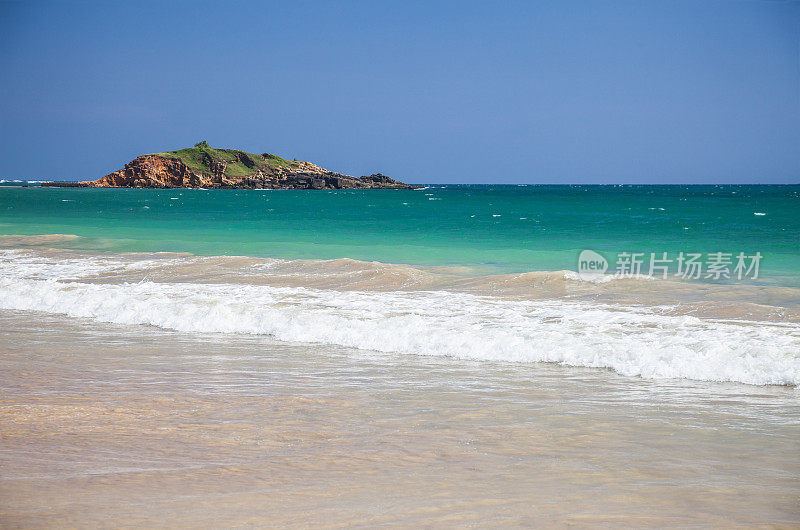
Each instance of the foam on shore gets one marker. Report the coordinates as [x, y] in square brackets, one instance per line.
[646, 341]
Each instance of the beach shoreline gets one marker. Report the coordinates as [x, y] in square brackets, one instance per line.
[176, 369]
[113, 424]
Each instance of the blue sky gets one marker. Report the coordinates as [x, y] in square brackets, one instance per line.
[473, 92]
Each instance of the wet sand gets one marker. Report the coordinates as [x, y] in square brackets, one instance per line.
[111, 425]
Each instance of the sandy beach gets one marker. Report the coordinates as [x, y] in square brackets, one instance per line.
[108, 425]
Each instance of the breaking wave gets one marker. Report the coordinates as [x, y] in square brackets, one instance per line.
[635, 341]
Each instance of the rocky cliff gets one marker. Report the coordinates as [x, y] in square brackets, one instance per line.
[206, 167]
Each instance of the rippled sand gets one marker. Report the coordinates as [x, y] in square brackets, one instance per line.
[107, 425]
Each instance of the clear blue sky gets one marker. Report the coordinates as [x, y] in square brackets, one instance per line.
[483, 92]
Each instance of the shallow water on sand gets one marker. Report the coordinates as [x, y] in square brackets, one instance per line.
[113, 425]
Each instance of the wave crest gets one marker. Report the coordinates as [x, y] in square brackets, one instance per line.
[395, 308]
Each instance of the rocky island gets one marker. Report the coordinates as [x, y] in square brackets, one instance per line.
[202, 166]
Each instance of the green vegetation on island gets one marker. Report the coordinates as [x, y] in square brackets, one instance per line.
[202, 158]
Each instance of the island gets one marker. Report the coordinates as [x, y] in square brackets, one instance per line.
[203, 166]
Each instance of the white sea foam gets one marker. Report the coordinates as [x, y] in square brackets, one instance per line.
[24, 265]
[599, 278]
[634, 342]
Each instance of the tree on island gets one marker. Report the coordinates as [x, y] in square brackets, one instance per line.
[202, 145]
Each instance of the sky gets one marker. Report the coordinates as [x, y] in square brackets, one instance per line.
[426, 92]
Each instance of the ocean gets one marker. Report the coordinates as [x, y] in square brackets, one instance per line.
[476, 272]
[255, 347]
[495, 229]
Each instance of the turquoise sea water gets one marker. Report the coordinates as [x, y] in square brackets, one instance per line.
[494, 228]
[746, 333]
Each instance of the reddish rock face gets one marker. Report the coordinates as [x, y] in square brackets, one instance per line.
[150, 171]
[154, 171]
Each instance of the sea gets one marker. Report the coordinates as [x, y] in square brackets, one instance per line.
[450, 355]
